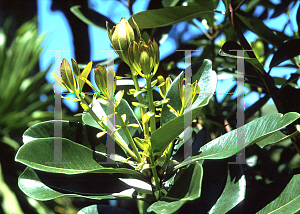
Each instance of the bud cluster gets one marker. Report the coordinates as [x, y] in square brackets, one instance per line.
[133, 50]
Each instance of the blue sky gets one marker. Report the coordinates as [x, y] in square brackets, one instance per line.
[58, 38]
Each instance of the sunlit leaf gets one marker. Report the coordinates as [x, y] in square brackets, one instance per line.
[169, 16]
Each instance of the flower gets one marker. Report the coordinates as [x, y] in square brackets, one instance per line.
[144, 58]
[121, 36]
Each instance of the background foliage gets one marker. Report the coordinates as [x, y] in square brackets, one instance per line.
[274, 166]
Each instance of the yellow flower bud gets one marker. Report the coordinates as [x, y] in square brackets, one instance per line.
[121, 36]
[188, 93]
[101, 78]
[72, 80]
[144, 58]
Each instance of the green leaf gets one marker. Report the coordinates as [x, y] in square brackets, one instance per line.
[31, 184]
[75, 68]
[233, 193]
[138, 185]
[228, 49]
[212, 5]
[255, 131]
[167, 133]
[100, 208]
[168, 16]
[273, 37]
[169, 3]
[39, 154]
[124, 108]
[76, 132]
[91, 17]
[288, 201]
[67, 74]
[186, 188]
[207, 81]
[277, 137]
[172, 126]
[286, 51]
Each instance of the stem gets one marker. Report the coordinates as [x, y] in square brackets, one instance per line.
[129, 137]
[169, 153]
[141, 100]
[151, 106]
[154, 172]
[94, 116]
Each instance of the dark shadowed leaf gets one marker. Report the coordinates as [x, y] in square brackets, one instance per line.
[47, 186]
[169, 3]
[91, 17]
[186, 188]
[280, 196]
[273, 37]
[103, 209]
[286, 51]
[233, 193]
[288, 201]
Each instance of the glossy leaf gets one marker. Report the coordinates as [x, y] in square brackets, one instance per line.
[124, 108]
[186, 188]
[207, 80]
[229, 49]
[272, 139]
[169, 3]
[86, 71]
[288, 201]
[39, 154]
[168, 16]
[67, 75]
[33, 184]
[74, 131]
[91, 17]
[75, 68]
[101, 208]
[212, 5]
[138, 185]
[263, 197]
[286, 51]
[172, 126]
[260, 29]
[233, 193]
[255, 131]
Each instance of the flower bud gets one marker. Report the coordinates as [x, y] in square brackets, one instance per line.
[72, 81]
[121, 36]
[144, 58]
[101, 76]
[163, 85]
[188, 93]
